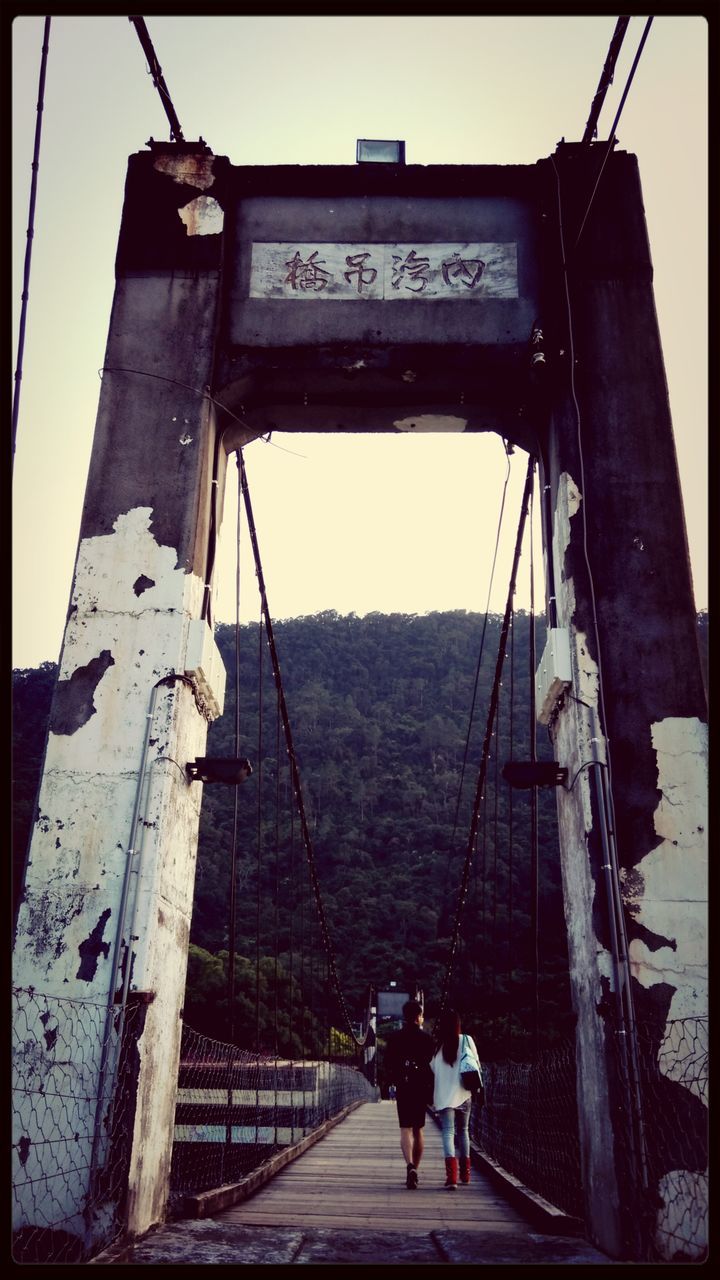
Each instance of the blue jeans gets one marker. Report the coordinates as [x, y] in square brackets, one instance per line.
[456, 1123]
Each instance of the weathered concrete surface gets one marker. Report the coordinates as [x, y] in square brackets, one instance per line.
[208, 1243]
[622, 587]
[117, 818]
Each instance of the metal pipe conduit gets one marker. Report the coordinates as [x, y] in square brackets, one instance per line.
[626, 1029]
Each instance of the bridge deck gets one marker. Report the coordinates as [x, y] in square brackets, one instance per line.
[355, 1178]
[344, 1201]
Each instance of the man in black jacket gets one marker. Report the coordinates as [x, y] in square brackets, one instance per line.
[407, 1066]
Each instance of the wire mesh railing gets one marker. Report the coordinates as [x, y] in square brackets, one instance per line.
[529, 1124]
[71, 1134]
[674, 1080]
[236, 1108]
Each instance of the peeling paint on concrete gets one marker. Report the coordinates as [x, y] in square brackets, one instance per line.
[202, 216]
[674, 875]
[590, 962]
[430, 422]
[48, 917]
[74, 704]
[191, 170]
[566, 506]
[92, 948]
[109, 566]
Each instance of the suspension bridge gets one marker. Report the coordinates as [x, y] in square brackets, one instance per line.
[345, 1201]
[245, 300]
[302, 1151]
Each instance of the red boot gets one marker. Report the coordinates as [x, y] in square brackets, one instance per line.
[451, 1172]
[464, 1169]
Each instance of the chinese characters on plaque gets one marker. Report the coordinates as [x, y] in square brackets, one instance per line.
[383, 272]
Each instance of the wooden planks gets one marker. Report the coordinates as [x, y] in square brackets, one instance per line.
[355, 1177]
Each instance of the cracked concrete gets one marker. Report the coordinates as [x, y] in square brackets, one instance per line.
[210, 1243]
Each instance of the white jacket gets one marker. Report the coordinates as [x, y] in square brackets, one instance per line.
[449, 1091]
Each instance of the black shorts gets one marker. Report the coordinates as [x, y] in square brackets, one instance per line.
[411, 1111]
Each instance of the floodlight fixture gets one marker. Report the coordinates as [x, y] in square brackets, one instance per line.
[535, 773]
[228, 770]
[380, 151]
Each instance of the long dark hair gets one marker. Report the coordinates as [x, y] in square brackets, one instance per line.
[449, 1034]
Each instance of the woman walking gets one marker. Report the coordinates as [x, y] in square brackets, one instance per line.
[451, 1099]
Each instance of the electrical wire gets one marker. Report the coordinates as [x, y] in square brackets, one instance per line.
[581, 458]
[204, 394]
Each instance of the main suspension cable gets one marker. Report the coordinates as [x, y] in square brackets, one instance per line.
[534, 847]
[606, 78]
[30, 233]
[611, 140]
[176, 133]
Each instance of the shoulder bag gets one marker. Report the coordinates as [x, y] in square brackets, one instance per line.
[470, 1075]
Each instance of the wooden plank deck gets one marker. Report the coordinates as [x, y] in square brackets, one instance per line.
[355, 1178]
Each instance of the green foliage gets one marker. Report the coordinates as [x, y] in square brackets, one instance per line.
[379, 708]
[380, 711]
[270, 1009]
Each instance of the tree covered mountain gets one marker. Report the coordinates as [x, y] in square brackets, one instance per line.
[380, 713]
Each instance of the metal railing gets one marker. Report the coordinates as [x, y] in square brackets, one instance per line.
[236, 1108]
[67, 1188]
[529, 1126]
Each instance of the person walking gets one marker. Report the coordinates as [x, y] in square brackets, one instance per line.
[450, 1098]
[407, 1067]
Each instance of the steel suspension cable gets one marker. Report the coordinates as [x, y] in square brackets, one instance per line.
[176, 133]
[259, 832]
[496, 762]
[291, 939]
[297, 786]
[477, 675]
[462, 894]
[606, 78]
[534, 851]
[233, 854]
[611, 139]
[277, 868]
[30, 232]
[510, 833]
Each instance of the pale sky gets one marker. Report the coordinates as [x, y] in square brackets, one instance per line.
[389, 523]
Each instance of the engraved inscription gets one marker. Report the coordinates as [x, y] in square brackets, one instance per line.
[384, 272]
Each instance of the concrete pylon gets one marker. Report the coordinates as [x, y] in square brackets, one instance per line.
[630, 724]
[103, 927]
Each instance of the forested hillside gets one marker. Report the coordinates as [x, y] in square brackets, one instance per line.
[380, 711]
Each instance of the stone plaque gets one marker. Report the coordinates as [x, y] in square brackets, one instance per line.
[384, 272]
